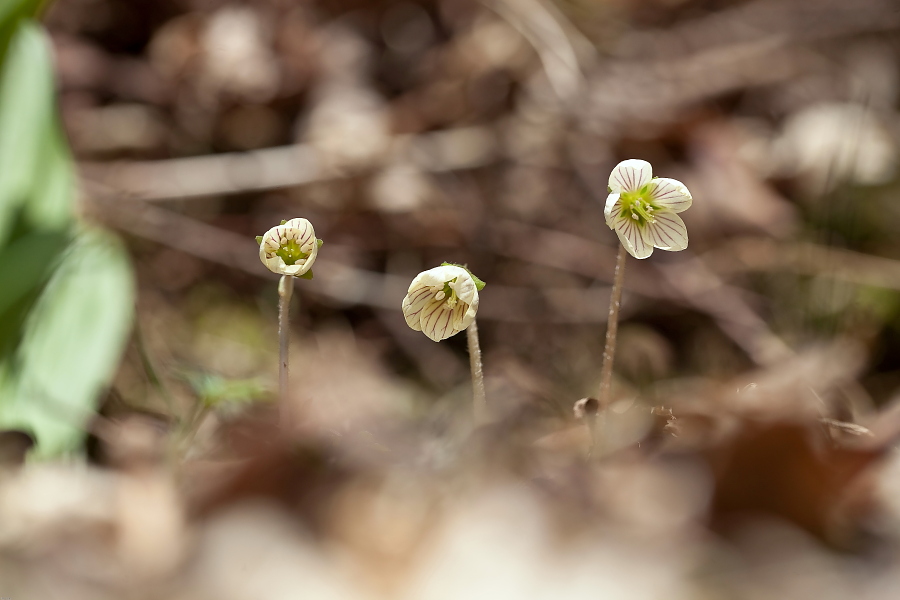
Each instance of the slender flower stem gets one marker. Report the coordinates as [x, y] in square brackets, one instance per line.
[609, 350]
[480, 400]
[285, 290]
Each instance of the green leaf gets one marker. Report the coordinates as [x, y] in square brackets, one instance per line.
[24, 266]
[12, 12]
[52, 200]
[307, 275]
[35, 163]
[72, 344]
[259, 239]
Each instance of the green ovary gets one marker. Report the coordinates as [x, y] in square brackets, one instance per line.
[290, 252]
[635, 205]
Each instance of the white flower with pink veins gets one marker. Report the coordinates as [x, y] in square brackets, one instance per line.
[441, 302]
[290, 248]
[641, 209]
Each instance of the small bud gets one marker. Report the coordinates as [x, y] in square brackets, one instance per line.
[586, 407]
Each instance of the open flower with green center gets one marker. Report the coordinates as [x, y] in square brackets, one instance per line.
[290, 248]
[641, 209]
[442, 301]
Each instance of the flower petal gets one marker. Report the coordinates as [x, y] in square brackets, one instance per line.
[274, 264]
[437, 276]
[613, 208]
[459, 314]
[465, 287]
[302, 229]
[633, 237]
[670, 194]
[668, 232]
[630, 175]
[414, 303]
[467, 318]
[437, 321]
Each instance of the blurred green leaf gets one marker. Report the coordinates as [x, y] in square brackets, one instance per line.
[72, 343]
[51, 203]
[24, 266]
[35, 162]
[13, 10]
[11, 13]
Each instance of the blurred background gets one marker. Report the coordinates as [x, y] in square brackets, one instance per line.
[749, 449]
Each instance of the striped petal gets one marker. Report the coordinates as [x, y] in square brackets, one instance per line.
[437, 321]
[670, 194]
[630, 176]
[414, 303]
[632, 236]
[668, 232]
[613, 207]
[459, 314]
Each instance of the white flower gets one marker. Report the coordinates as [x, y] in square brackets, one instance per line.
[641, 209]
[289, 248]
[441, 302]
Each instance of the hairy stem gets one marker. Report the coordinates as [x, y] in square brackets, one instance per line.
[609, 350]
[479, 397]
[285, 290]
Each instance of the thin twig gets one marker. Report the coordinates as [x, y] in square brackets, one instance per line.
[554, 39]
[478, 393]
[285, 290]
[278, 167]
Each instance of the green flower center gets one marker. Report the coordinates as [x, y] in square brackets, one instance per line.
[290, 252]
[638, 206]
[449, 293]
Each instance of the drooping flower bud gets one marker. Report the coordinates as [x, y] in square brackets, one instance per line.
[290, 248]
[442, 301]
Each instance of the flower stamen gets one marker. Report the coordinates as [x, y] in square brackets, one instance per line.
[641, 210]
[290, 251]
